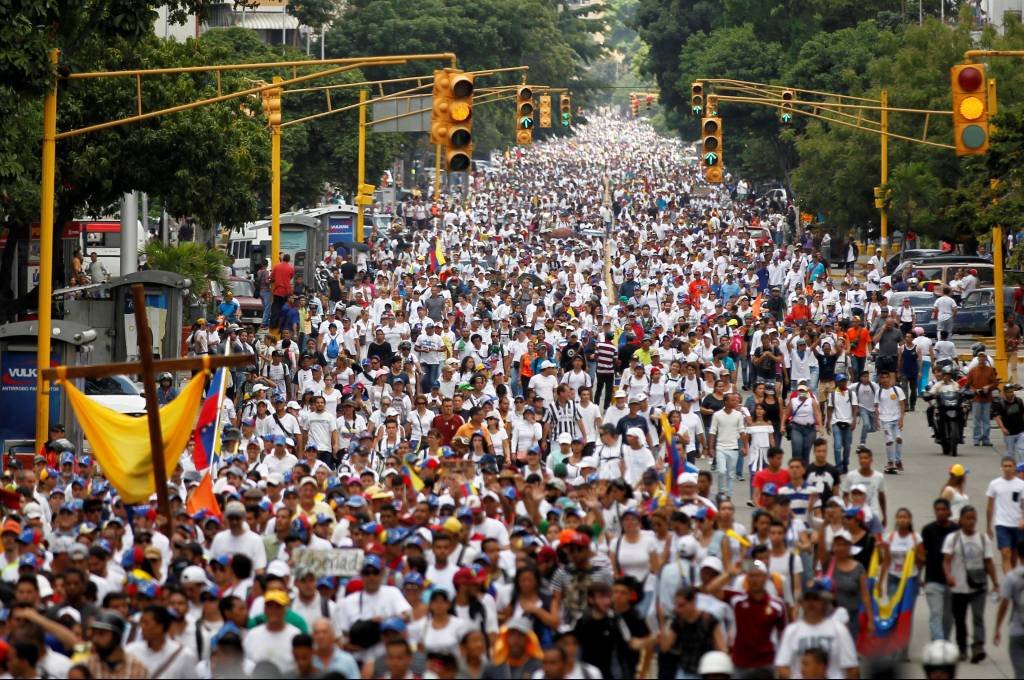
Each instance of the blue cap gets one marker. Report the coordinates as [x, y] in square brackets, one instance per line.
[821, 586]
[104, 545]
[323, 518]
[67, 458]
[356, 502]
[392, 625]
[326, 582]
[840, 377]
[279, 439]
[86, 461]
[373, 562]
[394, 536]
[28, 560]
[413, 578]
[463, 512]
[225, 630]
[769, 489]
[369, 527]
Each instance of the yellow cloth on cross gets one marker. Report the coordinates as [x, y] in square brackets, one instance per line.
[120, 443]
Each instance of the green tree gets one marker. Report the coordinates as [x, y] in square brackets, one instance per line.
[192, 260]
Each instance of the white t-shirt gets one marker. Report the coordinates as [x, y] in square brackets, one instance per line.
[430, 639]
[386, 602]
[261, 644]
[1007, 494]
[901, 548]
[320, 427]
[727, 428]
[182, 666]
[248, 543]
[945, 306]
[889, 399]
[972, 550]
[829, 634]
[544, 386]
[874, 484]
[635, 558]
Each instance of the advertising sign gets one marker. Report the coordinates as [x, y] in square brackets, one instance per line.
[18, 395]
[341, 228]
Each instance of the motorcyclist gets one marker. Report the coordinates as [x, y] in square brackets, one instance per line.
[945, 384]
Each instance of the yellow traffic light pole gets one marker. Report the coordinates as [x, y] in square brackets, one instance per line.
[361, 164]
[275, 182]
[48, 164]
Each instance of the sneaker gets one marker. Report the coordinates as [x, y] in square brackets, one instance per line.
[899, 465]
[978, 657]
[740, 479]
[890, 469]
[750, 504]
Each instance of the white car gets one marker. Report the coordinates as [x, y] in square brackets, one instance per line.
[117, 393]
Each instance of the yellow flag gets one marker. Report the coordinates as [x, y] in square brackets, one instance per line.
[120, 443]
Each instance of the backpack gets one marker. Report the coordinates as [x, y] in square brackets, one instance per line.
[332, 348]
[736, 344]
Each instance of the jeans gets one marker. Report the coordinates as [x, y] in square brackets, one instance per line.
[858, 367]
[893, 440]
[604, 387]
[813, 382]
[514, 381]
[982, 421]
[976, 602]
[265, 296]
[1015, 446]
[431, 372]
[1016, 648]
[842, 442]
[940, 610]
[740, 460]
[748, 372]
[802, 439]
[922, 383]
[867, 424]
[726, 468]
[944, 325]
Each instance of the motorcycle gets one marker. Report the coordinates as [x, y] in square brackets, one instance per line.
[947, 418]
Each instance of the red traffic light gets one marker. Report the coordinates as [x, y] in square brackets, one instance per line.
[970, 79]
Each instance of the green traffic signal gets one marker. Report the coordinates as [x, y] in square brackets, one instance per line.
[787, 118]
[710, 159]
[697, 110]
[565, 120]
[526, 122]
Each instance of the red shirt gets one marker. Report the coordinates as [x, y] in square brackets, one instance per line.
[755, 619]
[447, 427]
[762, 477]
[281, 279]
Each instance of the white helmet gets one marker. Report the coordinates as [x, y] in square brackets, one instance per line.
[940, 653]
[715, 663]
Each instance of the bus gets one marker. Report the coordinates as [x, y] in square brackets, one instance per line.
[103, 237]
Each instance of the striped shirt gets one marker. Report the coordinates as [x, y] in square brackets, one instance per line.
[605, 355]
[799, 499]
[563, 418]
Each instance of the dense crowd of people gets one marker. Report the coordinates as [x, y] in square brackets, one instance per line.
[536, 414]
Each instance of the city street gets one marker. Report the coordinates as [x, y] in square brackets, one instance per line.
[915, 489]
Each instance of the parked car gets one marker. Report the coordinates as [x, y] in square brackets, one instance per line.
[921, 302]
[912, 254]
[943, 269]
[977, 313]
[118, 393]
[245, 294]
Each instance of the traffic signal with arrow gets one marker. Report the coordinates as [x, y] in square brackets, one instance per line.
[711, 137]
[565, 110]
[697, 98]
[786, 111]
[524, 115]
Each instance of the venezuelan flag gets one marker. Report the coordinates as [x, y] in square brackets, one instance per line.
[207, 433]
[674, 460]
[412, 480]
[893, 615]
[437, 259]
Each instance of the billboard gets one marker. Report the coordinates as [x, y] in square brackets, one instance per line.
[18, 395]
[341, 228]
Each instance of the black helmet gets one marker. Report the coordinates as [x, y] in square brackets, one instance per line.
[108, 620]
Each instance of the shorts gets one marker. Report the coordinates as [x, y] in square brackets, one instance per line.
[1008, 537]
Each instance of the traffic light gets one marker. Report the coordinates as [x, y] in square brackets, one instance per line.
[697, 98]
[970, 109]
[545, 110]
[565, 108]
[524, 115]
[365, 194]
[272, 106]
[650, 100]
[711, 137]
[712, 104]
[786, 111]
[451, 120]
[634, 105]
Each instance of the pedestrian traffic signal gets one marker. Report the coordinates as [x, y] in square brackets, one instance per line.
[711, 139]
[697, 98]
[272, 106]
[545, 110]
[524, 115]
[786, 111]
[451, 119]
[565, 108]
[712, 104]
[364, 195]
[970, 109]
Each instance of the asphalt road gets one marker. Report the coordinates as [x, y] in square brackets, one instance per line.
[925, 474]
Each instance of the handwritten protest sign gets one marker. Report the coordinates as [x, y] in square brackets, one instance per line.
[336, 562]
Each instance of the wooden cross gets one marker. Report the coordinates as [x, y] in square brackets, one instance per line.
[148, 367]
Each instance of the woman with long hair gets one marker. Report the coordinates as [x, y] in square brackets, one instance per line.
[762, 438]
[635, 553]
[527, 600]
[478, 447]
[439, 630]
[955, 490]
[712, 540]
